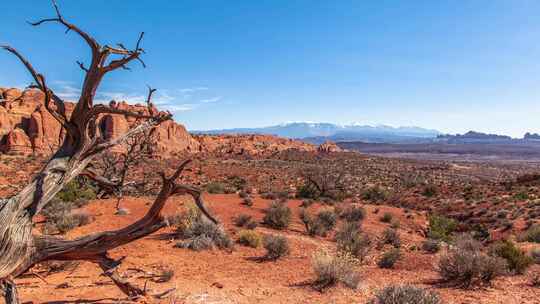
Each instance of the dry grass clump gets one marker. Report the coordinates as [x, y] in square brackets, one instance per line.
[276, 247]
[389, 258]
[319, 225]
[351, 240]
[333, 269]
[465, 265]
[405, 294]
[198, 233]
[277, 216]
[249, 238]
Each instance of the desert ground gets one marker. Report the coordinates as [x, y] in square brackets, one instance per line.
[239, 275]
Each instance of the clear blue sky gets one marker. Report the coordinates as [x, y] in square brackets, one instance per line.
[449, 65]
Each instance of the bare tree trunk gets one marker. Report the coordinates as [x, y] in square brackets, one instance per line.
[19, 249]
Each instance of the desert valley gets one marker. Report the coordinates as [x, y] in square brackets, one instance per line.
[120, 201]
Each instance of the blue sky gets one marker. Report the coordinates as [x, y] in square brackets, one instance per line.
[449, 65]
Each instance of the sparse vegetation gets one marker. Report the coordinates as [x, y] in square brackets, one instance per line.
[386, 217]
[333, 269]
[276, 246]
[198, 233]
[531, 235]
[249, 238]
[277, 216]
[375, 194]
[389, 258]
[441, 228]
[516, 259]
[431, 246]
[353, 214]
[466, 266]
[405, 294]
[351, 240]
[390, 236]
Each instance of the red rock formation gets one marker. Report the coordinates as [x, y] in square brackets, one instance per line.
[329, 147]
[27, 127]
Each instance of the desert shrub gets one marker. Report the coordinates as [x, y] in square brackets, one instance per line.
[248, 201]
[467, 242]
[465, 268]
[431, 246]
[251, 225]
[77, 192]
[441, 228]
[386, 217]
[353, 214]
[323, 222]
[531, 235]
[61, 218]
[375, 194]
[269, 195]
[243, 194]
[216, 188]
[242, 220]
[249, 238]
[333, 269]
[306, 203]
[278, 216]
[405, 294]
[390, 236]
[535, 255]
[389, 258]
[350, 239]
[395, 224]
[516, 259]
[521, 196]
[199, 233]
[307, 190]
[276, 247]
[429, 190]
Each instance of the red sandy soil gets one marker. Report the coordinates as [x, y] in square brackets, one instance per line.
[232, 277]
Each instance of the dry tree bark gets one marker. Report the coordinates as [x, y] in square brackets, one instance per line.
[19, 248]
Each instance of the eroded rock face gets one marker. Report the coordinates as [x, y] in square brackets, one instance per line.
[329, 147]
[27, 127]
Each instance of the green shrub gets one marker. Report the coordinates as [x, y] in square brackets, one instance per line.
[353, 214]
[375, 194]
[429, 190]
[390, 236]
[431, 246]
[249, 238]
[307, 190]
[216, 188]
[441, 228]
[276, 247]
[242, 220]
[464, 268]
[535, 255]
[78, 192]
[386, 217]
[531, 235]
[199, 233]
[516, 259]
[333, 269]
[350, 239]
[405, 294]
[278, 216]
[389, 258]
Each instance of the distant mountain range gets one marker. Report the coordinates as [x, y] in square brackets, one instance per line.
[320, 132]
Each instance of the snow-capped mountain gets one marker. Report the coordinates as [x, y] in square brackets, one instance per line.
[317, 132]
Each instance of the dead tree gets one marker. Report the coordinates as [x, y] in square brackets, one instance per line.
[19, 248]
[323, 182]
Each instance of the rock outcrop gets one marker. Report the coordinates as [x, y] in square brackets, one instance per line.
[329, 147]
[256, 145]
[27, 127]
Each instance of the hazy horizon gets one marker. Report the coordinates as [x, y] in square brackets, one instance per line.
[220, 64]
